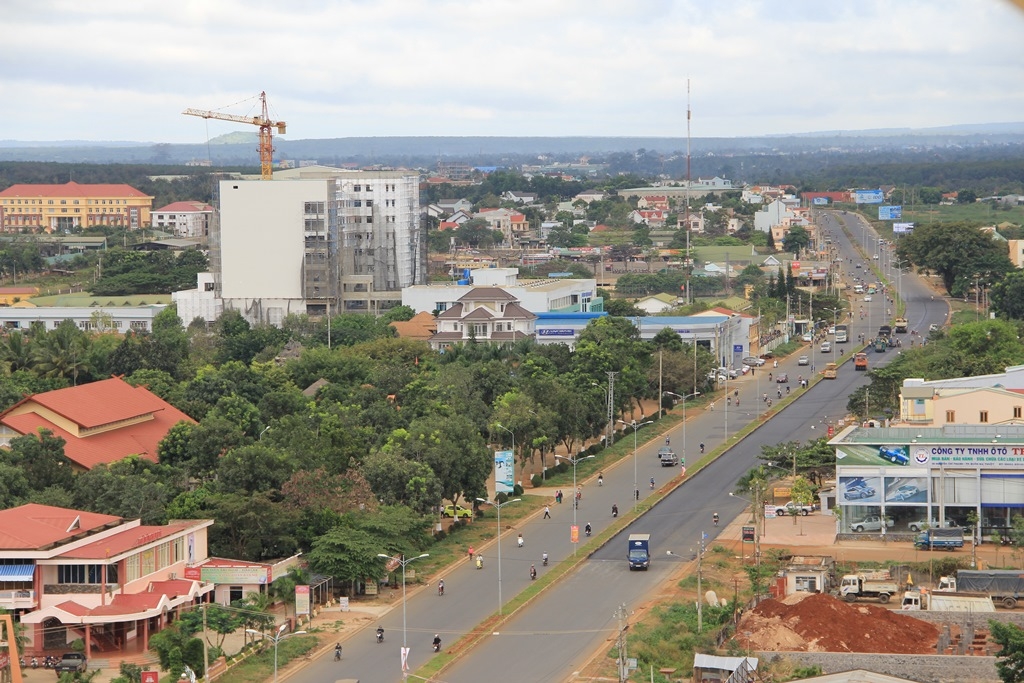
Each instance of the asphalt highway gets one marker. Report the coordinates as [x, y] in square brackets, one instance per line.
[553, 636]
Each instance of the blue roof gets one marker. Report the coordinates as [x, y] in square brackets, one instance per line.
[670, 320]
[16, 572]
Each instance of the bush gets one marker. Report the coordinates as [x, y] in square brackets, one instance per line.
[517, 490]
[536, 481]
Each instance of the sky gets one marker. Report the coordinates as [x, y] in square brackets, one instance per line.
[123, 70]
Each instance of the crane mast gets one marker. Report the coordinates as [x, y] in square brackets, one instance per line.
[266, 137]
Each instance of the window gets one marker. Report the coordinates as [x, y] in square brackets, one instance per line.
[357, 202]
[480, 329]
[369, 202]
[950, 416]
[983, 416]
[1017, 412]
[357, 188]
[132, 568]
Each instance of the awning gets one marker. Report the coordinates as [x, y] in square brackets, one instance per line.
[17, 572]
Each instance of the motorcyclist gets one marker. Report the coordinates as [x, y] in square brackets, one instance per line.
[600, 478]
[544, 559]
[440, 587]
[437, 642]
[702, 447]
[380, 634]
[587, 529]
[520, 540]
[479, 561]
[615, 510]
[715, 517]
[533, 572]
[337, 652]
[652, 482]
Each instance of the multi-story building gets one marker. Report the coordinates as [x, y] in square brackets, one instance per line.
[72, 206]
[314, 240]
[184, 219]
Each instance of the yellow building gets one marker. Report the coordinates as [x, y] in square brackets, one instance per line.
[57, 208]
[10, 296]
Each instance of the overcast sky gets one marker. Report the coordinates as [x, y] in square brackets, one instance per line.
[125, 69]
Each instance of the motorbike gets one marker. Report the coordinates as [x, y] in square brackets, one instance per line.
[544, 559]
[380, 635]
[716, 519]
[337, 653]
[440, 589]
[521, 542]
[533, 572]
[437, 644]
[615, 510]
[587, 529]
[479, 562]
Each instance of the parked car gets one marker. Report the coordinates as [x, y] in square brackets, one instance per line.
[803, 360]
[894, 454]
[753, 360]
[905, 492]
[922, 524]
[456, 511]
[826, 347]
[858, 492]
[792, 509]
[870, 523]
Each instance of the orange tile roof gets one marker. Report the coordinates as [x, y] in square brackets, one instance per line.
[73, 189]
[96, 404]
[34, 526]
[128, 603]
[123, 541]
[185, 207]
[72, 607]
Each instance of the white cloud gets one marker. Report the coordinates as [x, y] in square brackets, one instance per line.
[124, 69]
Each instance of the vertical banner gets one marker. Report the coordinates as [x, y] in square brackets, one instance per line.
[574, 534]
[302, 600]
[504, 472]
[405, 660]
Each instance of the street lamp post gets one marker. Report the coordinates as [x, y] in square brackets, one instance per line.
[575, 502]
[635, 425]
[498, 506]
[278, 636]
[684, 399]
[700, 597]
[402, 560]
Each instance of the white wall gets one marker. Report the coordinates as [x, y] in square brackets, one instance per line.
[263, 236]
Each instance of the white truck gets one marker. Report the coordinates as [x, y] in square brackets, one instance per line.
[1005, 586]
[868, 585]
[946, 602]
[792, 509]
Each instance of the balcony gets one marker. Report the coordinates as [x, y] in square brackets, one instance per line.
[18, 599]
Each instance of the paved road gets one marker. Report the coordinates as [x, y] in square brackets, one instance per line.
[551, 638]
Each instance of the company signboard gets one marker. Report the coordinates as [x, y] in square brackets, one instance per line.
[902, 228]
[255, 574]
[988, 455]
[890, 213]
[556, 332]
[819, 201]
[868, 196]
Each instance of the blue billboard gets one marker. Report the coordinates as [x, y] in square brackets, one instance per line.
[868, 196]
[818, 201]
[890, 213]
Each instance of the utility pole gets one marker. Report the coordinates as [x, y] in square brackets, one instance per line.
[611, 407]
[620, 614]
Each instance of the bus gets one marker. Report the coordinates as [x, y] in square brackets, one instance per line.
[842, 334]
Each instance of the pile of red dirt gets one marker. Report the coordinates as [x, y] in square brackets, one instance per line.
[817, 622]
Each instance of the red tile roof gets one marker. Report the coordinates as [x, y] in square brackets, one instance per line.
[72, 607]
[96, 404]
[128, 603]
[73, 189]
[130, 538]
[34, 526]
[185, 207]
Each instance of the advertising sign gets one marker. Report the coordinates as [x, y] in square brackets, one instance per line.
[737, 348]
[556, 332]
[249, 574]
[907, 490]
[897, 456]
[861, 490]
[969, 456]
[150, 677]
[748, 533]
[302, 600]
[890, 213]
[902, 228]
[769, 511]
[504, 472]
[819, 201]
[574, 534]
[868, 196]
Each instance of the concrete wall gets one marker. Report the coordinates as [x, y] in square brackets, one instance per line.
[923, 668]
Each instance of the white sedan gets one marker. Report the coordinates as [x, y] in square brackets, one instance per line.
[867, 298]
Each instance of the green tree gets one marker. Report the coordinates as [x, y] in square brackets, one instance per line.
[1010, 658]
[40, 457]
[219, 621]
[956, 252]
[796, 240]
[1007, 296]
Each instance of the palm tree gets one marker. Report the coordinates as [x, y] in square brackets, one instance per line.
[15, 352]
[62, 352]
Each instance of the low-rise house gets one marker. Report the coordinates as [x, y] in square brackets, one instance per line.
[486, 314]
[100, 422]
[184, 219]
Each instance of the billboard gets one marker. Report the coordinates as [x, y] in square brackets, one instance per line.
[907, 490]
[848, 455]
[302, 600]
[902, 228]
[969, 456]
[243, 574]
[861, 490]
[504, 472]
[868, 196]
[890, 213]
[819, 201]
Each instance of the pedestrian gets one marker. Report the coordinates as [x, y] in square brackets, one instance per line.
[769, 377]
[547, 515]
[636, 494]
[470, 553]
[579, 493]
[558, 496]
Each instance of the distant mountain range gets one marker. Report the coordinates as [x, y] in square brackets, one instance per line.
[239, 148]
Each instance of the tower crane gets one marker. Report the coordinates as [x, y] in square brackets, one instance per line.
[266, 135]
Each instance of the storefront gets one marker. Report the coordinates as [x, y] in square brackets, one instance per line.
[898, 480]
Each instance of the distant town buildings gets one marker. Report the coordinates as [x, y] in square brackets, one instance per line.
[184, 219]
